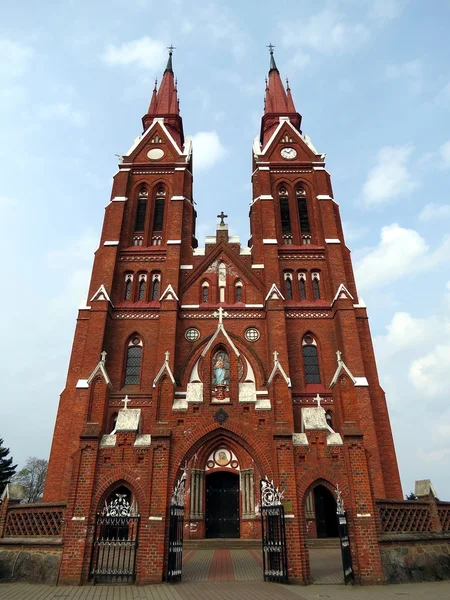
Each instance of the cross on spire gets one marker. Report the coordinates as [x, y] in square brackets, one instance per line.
[222, 216]
[271, 47]
[126, 401]
[171, 48]
[318, 399]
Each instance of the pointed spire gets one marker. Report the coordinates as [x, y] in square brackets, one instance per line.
[278, 102]
[164, 103]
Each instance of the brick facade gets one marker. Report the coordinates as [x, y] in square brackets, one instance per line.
[153, 289]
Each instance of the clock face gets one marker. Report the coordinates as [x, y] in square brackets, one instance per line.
[288, 153]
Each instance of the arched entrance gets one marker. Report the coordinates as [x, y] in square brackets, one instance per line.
[325, 513]
[222, 505]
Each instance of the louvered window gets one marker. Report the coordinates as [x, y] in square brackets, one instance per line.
[285, 214]
[158, 217]
[311, 364]
[303, 211]
[140, 214]
[133, 368]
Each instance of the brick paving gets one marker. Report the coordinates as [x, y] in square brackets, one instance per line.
[226, 590]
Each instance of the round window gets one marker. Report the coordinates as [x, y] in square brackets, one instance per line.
[135, 341]
[192, 334]
[252, 334]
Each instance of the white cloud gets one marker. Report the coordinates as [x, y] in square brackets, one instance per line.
[300, 60]
[430, 374]
[145, 53]
[15, 58]
[325, 32]
[431, 212]
[391, 177]
[63, 111]
[411, 72]
[400, 252]
[207, 149]
[405, 331]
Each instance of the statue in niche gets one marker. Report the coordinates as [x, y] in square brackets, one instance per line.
[220, 375]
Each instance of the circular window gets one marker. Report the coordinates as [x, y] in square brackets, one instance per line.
[192, 334]
[252, 334]
[308, 340]
[135, 341]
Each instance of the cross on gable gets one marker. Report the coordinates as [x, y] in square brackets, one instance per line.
[126, 401]
[275, 356]
[339, 355]
[103, 356]
[221, 314]
[222, 216]
[318, 399]
[167, 354]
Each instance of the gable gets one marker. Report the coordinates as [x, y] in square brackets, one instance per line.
[157, 146]
[286, 137]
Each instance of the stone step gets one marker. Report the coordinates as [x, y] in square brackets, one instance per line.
[222, 544]
[323, 543]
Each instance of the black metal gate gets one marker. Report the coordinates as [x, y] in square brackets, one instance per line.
[349, 576]
[176, 529]
[273, 533]
[114, 551]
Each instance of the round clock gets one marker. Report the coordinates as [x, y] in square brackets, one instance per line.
[288, 153]
[155, 153]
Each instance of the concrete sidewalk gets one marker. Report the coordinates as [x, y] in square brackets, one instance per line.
[226, 590]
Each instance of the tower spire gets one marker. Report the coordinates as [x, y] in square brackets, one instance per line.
[278, 101]
[164, 103]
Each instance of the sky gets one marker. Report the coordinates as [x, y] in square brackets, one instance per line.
[372, 81]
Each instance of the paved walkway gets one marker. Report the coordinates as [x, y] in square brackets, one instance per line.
[226, 590]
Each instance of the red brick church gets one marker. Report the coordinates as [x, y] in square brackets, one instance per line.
[215, 367]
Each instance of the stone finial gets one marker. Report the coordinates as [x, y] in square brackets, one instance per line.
[339, 356]
[424, 487]
[103, 357]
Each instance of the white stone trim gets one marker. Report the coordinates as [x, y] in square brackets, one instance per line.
[190, 306]
[257, 266]
[101, 294]
[363, 515]
[245, 251]
[277, 367]
[361, 382]
[180, 168]
[198, 252]
[332, 241]
[82, 384]
[78, 518]
[178, 198]
[319, 168]
[263, 168]
[274, 291]
[323, 196]
[173, 242]
[342, 290]
[85, 308]
[254, 306]
[154, 518]
[165, 367]
[111, 243]
[119, 199]
[160, 121]
[361, 304]
[289, 516]
[169, 291]
[266, 197]
[269, 241]
[186, 267]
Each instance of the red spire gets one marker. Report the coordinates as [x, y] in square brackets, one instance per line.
[278, 102]
[164, 104]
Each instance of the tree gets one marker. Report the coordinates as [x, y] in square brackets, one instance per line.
[7, 469]
[32, 478]
[411, 496]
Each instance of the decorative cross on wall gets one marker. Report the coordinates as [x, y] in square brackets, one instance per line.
[318, 399]
[222, 216]
[221, 314]
[126, 401]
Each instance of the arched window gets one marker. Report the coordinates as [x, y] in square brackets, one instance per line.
[205, 291]
[310, 360]
[238, 287]
[316, 285]
[288, 285]
[302, 285]
[141, 210]
[329, 418]
[141, 286]
[113, 422]
[303, 215]
[156, 279]
[158, 216]
[134, 359]
[128, 286]
[285, 215]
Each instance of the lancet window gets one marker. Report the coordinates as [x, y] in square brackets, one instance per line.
[302, 204]
[205, 291]
[288, 285]
[141, 211]
[134, 360]
[302, 285]
[315, 275]
[310, 359]
[141, 286]
[158, 216]
[238, 288]
[285, 215]
[156, 280]
[128, 286]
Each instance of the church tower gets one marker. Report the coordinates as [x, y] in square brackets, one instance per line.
[219, 366]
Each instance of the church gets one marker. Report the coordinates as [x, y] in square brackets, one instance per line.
[210, 385]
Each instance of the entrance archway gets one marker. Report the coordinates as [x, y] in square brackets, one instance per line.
[222, 505]
[325, 513]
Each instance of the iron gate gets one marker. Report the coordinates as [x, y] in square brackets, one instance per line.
[349, 576]
[176, 529]
[114, 551]
[273, 533]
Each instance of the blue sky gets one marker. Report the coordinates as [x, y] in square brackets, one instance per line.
[372, 82]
